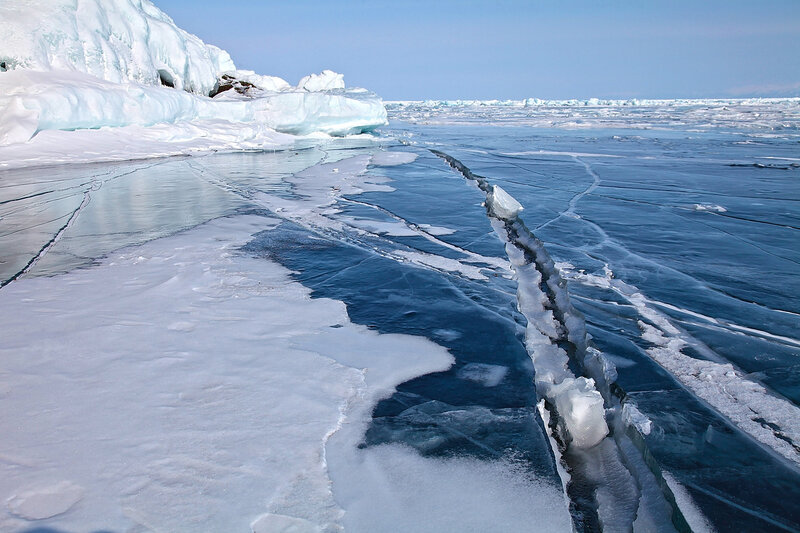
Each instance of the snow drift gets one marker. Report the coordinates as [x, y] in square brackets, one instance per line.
[88, 64]
[119, 41]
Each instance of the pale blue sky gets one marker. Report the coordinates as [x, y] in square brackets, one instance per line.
[513, 48]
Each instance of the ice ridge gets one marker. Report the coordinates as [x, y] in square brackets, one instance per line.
[607, 479]
[123, 69]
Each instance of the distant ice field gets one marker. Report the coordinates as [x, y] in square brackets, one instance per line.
[485, 317]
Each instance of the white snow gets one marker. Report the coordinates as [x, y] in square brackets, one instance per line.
[120, 41]
[419, 495]
[389, 159]
[188, 374]
[325, 81]
[709, 207]
[442, 263]
[45, 501]
[265, 83]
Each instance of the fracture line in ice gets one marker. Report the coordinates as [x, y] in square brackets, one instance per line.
[592, 453]
[573, 202]
[318, 213]
[772, 421]
[428, 235]
[85, 189]
[49, 244]
[731, 234]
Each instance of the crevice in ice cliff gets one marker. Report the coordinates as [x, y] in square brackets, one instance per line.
[611, 480]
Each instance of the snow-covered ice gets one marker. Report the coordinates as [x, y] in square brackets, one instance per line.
[209, 381]
[124, 70]
[183, 379]
[120, 41]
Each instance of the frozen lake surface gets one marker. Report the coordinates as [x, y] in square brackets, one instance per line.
[367, 333]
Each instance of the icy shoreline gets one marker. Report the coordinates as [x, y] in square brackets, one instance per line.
[89, 81]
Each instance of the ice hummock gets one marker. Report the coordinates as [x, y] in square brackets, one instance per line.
[68, 66]
[125, 41]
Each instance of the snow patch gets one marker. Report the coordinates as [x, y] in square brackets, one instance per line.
[226, 424]
[419, 494]
[276, 523]
[709, 207]
[389, 159]
[45, 501]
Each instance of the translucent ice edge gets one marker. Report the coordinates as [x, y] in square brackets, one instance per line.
[33, 104]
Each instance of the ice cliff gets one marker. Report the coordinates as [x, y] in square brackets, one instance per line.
[87, 64]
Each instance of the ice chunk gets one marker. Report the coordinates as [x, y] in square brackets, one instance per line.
[325, 81]
[636, 418]
[501, 204]
[71, 100]
[580, 405]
